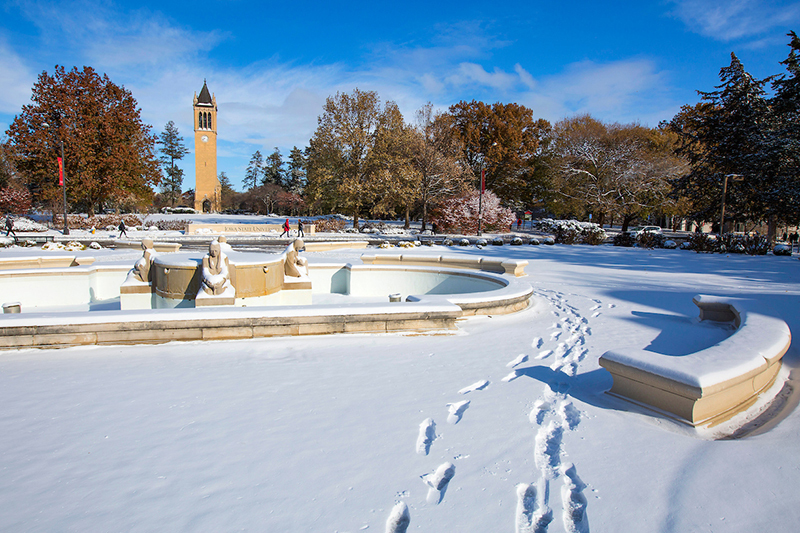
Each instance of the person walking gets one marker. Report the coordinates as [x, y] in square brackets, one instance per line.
[300, 232]
[122, 229]
[10, 227]
[286, 229]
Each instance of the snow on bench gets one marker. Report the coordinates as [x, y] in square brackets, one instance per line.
[710, 385]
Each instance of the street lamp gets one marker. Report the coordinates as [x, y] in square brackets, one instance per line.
[62, 174]
[735, 177]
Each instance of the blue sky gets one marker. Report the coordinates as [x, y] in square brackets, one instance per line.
[271, 65]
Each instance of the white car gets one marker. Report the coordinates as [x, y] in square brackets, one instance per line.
[642, 229]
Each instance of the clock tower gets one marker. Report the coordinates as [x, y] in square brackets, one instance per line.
[207, 191]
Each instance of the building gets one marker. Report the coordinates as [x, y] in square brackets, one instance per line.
[207, 191]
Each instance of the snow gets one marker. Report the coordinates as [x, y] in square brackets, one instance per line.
[323, 433]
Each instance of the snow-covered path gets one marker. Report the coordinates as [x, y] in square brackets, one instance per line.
[323, 433]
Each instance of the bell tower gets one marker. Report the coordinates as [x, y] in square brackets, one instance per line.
[207, 191]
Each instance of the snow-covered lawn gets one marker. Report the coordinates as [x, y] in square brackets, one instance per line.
[328, 433]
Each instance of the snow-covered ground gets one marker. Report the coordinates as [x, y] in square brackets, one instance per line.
[329, 433]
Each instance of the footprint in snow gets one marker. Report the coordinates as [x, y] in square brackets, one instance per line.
[611, 306]
[544, 354]
[427, 434]
[478, 385]
[537, 342]
[521, 358]
[555, 335]
[596, 314]
[438, 481]
[456, 411]
[399, 519]
[595, 307]
[532, 516]
[512, 376]
[573, 501]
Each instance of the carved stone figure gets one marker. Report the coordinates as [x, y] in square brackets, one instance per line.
[141, 270]
[216, 272]
[294, 263]
[223, 244]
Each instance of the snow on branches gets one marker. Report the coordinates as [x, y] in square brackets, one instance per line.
[460, 214]
[572, 231]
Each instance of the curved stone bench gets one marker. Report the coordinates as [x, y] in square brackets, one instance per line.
[713, 384]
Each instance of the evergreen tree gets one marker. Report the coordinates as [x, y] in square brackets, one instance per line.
[273, 168]
[726, 136]
[296, 175]
[227, 191]
[255, 169]
[784, 143]
[172, 149]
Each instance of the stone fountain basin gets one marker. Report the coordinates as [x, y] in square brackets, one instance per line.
[433, 298]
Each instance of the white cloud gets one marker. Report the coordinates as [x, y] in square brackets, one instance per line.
[16, 80]
[273, 103]
[735, 19]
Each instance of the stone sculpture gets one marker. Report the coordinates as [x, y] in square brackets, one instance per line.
[216, 271]
[294, 263]
[141, 269]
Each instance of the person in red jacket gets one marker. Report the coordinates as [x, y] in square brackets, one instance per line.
[286, 229]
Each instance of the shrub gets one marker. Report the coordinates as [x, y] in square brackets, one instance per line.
[535, 241]
[703, 242]
[572, 231]
[170, 224]
[782, 249]
[14, 200]
[649, 239]
[26, 224]
[624, 238]
[460, 214]
[330, 225]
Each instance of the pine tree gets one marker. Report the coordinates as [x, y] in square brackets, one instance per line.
[273, 168]
[172, 149]
[255, 170]
[726, 136]
[227, 191]
[784, 143]
[296, 175]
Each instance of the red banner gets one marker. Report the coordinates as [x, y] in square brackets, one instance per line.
[483, 181]
[60, 172]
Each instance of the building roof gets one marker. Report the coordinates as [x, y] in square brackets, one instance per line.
[205, 96]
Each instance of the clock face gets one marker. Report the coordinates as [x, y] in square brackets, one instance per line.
[204, 138]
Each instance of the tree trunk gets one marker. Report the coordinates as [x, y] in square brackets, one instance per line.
[772, 228]
[626, 219]
[601, 218]
[424, 215]
[355, 220]
[408, 218]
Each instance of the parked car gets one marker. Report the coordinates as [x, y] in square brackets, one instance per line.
[641, 229]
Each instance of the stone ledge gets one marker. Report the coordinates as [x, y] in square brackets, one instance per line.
[513, 267]
[173, 327]
[711, 385]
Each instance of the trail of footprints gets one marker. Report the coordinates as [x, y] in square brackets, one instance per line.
[552, 414]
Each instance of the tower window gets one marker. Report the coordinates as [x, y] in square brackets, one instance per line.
[209, 122]
[199, 120]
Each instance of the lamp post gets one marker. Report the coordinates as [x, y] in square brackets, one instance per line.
[724, 192]
[62, 175]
